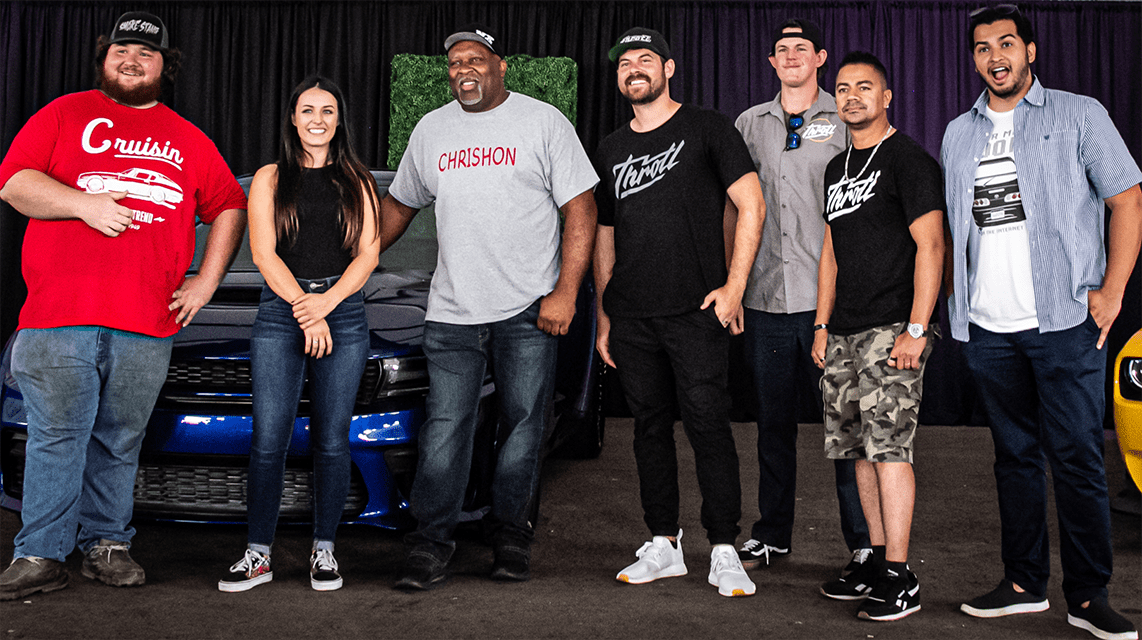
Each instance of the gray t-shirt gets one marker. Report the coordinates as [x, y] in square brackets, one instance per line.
[498, 179]
[784, 276]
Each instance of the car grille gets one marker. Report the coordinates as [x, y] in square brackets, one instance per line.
[228, 381]
[219, 491]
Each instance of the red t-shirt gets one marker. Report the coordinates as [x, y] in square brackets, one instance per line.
[171, 172]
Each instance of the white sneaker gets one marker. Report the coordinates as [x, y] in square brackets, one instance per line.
[727, 573]
[656, 559]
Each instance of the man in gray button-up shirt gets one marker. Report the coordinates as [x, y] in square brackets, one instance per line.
[791, 139]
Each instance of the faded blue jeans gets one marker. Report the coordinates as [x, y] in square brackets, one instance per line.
[278, 366]
[88, 394]
[522, 358]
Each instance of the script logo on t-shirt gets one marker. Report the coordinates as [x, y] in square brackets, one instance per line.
[819, 130]
[846, 196]
[635, 174]
[95, 141]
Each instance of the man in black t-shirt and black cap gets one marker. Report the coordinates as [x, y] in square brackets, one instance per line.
[667, 299]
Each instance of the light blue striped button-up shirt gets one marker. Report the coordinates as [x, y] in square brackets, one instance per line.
[1069, 157]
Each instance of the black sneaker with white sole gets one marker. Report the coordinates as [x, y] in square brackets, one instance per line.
[755, 553]
[1004, 600]
[1101, 621]
[894, 597]
[252, 570]
[854, 586]
[324, 575]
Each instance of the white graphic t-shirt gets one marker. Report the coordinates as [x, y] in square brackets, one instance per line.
[1001, 297]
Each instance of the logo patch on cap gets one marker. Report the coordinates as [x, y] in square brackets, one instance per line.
[141, 26]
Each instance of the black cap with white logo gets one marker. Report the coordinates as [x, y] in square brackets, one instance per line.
[476, 33]
[640, 38]
[141, 27]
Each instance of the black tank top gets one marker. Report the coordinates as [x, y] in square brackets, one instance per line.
[317, 252]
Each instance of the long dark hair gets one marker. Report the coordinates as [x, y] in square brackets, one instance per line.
[349, 176]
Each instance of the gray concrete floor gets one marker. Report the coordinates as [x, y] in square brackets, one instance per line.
[589, 529]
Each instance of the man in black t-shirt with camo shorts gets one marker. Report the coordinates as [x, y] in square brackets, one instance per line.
[667, 300]
[878, 280]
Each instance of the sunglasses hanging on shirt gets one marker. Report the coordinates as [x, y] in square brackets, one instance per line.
[792, 124]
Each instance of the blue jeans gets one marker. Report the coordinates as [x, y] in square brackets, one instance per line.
[779, 346]
[522, 359]
[278, 366]
[88, 394]
[1043, 393]
[680, 361]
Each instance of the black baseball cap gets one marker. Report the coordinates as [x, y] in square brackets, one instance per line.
[141, 27]
[640, 38]
[476, 32]
[809, 31]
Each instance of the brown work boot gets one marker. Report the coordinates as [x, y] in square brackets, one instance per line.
[26, 576]
[109, 563]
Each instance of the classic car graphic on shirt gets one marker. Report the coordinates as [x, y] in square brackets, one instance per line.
[137, 183]
[997, 200]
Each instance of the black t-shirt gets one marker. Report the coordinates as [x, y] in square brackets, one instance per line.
[869, 219]
[317, 252]
[664, 192]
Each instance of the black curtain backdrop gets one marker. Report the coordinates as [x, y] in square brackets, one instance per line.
[240, 60]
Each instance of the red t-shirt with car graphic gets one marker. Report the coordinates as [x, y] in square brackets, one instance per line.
[171, 174]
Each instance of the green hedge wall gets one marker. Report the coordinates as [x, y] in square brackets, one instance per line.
[420, 84]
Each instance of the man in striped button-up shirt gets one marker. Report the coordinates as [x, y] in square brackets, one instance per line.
[1033, 296]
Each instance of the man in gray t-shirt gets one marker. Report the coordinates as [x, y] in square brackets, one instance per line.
[499, 166]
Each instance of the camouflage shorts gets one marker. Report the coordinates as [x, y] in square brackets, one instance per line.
[871, 409]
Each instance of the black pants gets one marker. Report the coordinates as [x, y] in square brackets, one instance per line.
[680, 360]
[778, 346]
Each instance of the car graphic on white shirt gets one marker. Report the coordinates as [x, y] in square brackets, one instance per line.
[137, 183]
[997, 198]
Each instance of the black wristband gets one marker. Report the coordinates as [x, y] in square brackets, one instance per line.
[818, 327]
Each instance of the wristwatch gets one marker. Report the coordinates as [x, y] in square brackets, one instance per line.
[916, 330]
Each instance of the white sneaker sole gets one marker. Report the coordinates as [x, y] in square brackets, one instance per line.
[1009, 610]
[326, 585]
[889, 618]
[1099, 633]
[674, 571]
[245, 585]
[733, 592]
[847, 597]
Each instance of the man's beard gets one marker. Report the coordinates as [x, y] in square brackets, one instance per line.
[652, 93]
[139, 96]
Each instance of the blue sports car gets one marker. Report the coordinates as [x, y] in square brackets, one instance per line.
[195, 455]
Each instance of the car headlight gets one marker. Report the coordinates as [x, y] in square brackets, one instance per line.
[408, 375]
[1130, 379]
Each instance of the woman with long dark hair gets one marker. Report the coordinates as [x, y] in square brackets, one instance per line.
[314, 220]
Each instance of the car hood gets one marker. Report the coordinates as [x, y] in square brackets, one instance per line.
[395, 304]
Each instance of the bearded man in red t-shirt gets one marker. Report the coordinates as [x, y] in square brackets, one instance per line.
[112, 181]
